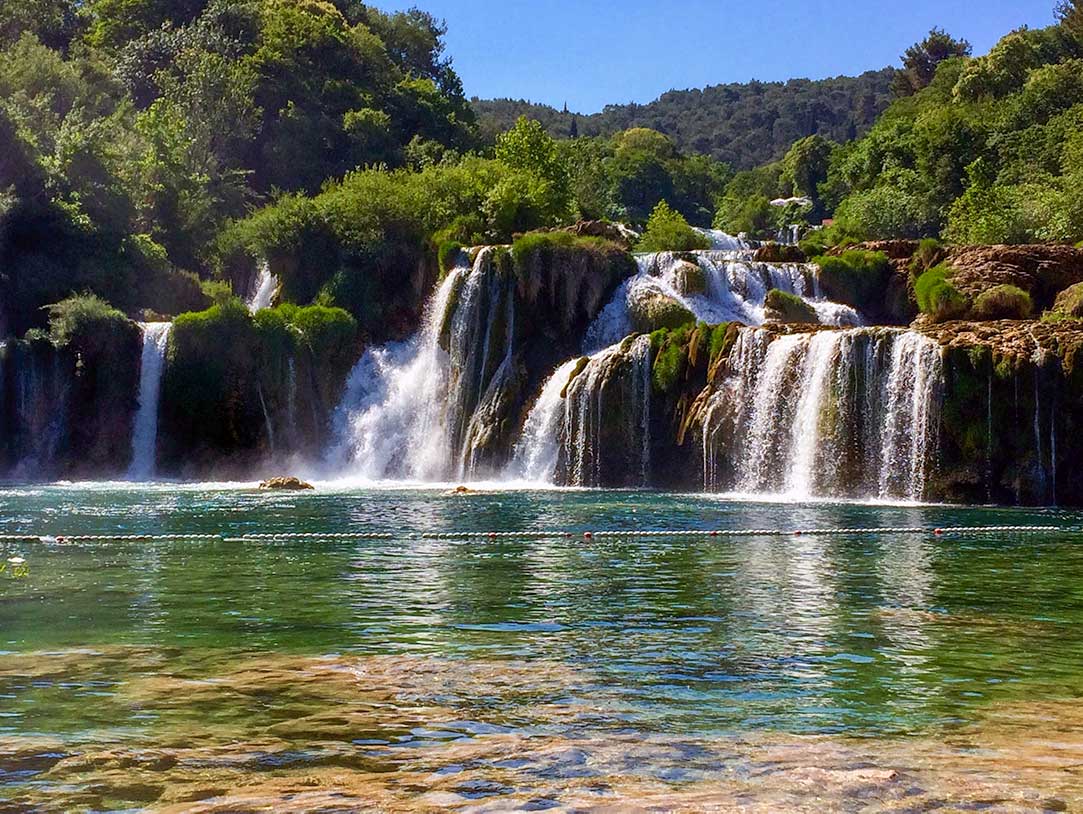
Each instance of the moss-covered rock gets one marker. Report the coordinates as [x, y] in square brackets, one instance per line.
[855, 277]
[651, 310]
[781, 306]
[1069, 302]
[772, 252]
[1002, 302]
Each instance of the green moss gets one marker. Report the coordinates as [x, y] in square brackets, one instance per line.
[448, 255]
[926, 256]
[937, 297]
[580, 366]
[721, 340]
[1003, 302]
[856, 277]
[790, 308]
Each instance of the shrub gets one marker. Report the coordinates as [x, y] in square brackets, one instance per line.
[937, 297]
[667, 230]
[790, 308]
[928, 253]
[1003, 302]
[83, 319]
[856, 277]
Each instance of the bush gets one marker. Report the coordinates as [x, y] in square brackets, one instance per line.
[937, 297]
[856, 277]
[83, 319]
[447, 255]
[667, 230]
[1003, 302]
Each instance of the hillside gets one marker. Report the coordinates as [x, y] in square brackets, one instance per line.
[744, 125]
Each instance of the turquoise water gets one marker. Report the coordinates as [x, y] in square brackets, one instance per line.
[868, 636]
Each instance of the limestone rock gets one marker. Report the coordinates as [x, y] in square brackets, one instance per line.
[689, 278]
[288, 484]
[652, 309]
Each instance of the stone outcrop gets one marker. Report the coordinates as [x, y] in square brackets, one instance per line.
[286, 484]
[1041, 271]
[651, 310]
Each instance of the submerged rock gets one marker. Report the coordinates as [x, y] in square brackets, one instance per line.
[286, 485]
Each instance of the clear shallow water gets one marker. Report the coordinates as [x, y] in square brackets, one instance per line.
[139, 646]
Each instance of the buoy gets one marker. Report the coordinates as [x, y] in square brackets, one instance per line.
[939, 532]
[798, 533]
[587, 535]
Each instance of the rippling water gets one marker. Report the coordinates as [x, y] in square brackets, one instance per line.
[549, 671]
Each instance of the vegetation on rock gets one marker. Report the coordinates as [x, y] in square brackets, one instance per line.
[667, 230]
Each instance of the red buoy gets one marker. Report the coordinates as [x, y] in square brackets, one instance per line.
[587, 535]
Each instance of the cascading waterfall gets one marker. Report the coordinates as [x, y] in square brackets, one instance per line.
[263, 289]
[735, 289]
[538, 450]
[418, 410]
[605, 429]
[145, 427]
[832, 413]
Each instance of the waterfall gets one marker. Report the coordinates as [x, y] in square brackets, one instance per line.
[832, 413]
[424, 409]
[145, 427]
[263, 289]
[735, 289]
[605, 430]
[538, 449]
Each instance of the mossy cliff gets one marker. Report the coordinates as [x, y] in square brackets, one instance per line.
[67, 397]
[1011, 428]
[240, 389]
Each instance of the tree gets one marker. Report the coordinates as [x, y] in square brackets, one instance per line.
[806, 164]
[1070, 16]
[528, 148]
[667, 230]
[921, 60]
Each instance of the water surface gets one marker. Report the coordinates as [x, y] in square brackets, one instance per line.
[529, 672]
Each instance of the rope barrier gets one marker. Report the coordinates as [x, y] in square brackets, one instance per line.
[465, 536]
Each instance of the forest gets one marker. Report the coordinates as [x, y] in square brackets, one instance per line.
[154, 152]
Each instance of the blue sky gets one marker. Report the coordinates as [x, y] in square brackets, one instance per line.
[594, 53]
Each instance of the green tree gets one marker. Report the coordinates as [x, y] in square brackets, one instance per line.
[667, 230]
[529, 149]
[922, 59]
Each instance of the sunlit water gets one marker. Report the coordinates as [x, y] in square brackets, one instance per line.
[459, 669]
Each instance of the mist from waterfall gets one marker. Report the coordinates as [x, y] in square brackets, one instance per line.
[145, 426]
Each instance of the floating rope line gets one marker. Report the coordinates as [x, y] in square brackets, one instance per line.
[464, 536]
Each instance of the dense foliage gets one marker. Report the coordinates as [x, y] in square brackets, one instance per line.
[131, 131]
[981, 150]
[743, 125]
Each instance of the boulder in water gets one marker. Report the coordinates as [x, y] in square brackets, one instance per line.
[460, 491]
[689, 278]
[286, 485]
[652, 309]
[777, 253]
[783, 307]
